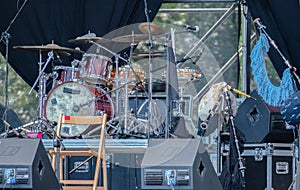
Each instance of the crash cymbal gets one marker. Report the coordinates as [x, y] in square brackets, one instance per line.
[131, 38]
[155, 29]
[146, 55]
[49, 47]
[88, 38]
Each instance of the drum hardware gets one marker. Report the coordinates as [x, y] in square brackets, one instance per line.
[5, 36]
[11, 130]
[104, 94]
[22, 128]
[135, 127]
[74, 64]
[42, 84]
[51, 49]
[117, 75]
[87, 38]
[123, 128]
[150, 49]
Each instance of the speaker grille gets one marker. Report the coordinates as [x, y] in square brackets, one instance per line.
[22, 175]
[183, 177]
[153, 177]
[1, 175]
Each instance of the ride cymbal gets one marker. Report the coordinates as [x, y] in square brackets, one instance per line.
[49, 47]
[131, 38]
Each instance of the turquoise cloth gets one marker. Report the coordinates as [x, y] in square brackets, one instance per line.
[273, 95]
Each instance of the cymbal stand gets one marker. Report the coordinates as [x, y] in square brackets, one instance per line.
[41, 79]
[5, 36]
[117, 57]
[150, 47]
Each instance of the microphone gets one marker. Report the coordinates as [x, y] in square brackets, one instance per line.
[192, 28]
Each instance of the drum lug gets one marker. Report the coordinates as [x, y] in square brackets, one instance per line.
[100, 112]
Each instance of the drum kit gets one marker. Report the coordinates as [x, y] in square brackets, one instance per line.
[95, 85]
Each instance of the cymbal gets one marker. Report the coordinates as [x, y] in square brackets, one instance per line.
[49, 47]
[131, 38]
[88, 38]
[146, 55]
[155, 29]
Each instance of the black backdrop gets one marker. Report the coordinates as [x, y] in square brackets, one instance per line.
[282, 21]
[42, 21]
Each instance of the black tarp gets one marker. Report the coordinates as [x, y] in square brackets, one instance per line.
[43, 21]
[282, 21]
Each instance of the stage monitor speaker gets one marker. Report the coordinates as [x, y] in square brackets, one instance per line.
[178, 164]
[24, 164]
[261, 122]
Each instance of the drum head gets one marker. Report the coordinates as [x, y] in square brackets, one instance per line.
[71, 99]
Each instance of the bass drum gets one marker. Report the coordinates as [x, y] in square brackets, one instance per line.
[72, 98]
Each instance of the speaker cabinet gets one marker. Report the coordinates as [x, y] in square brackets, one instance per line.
[261, 122]
[24, 164]
[178, 164]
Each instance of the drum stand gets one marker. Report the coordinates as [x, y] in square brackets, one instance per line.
[124, 128]
[41, 79]
[5, 36]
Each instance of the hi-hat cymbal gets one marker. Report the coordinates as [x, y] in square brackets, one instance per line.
[131, 38]
[49, 47]
[87, 38]
[155, 29]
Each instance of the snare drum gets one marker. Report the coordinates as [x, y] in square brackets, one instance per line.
[185, 75]
[131, 76]
[72, 98]
[64, 74]
[95, 69]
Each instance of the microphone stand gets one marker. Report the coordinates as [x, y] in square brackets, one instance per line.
[5, 36]
[240, 160]
[150, 47]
